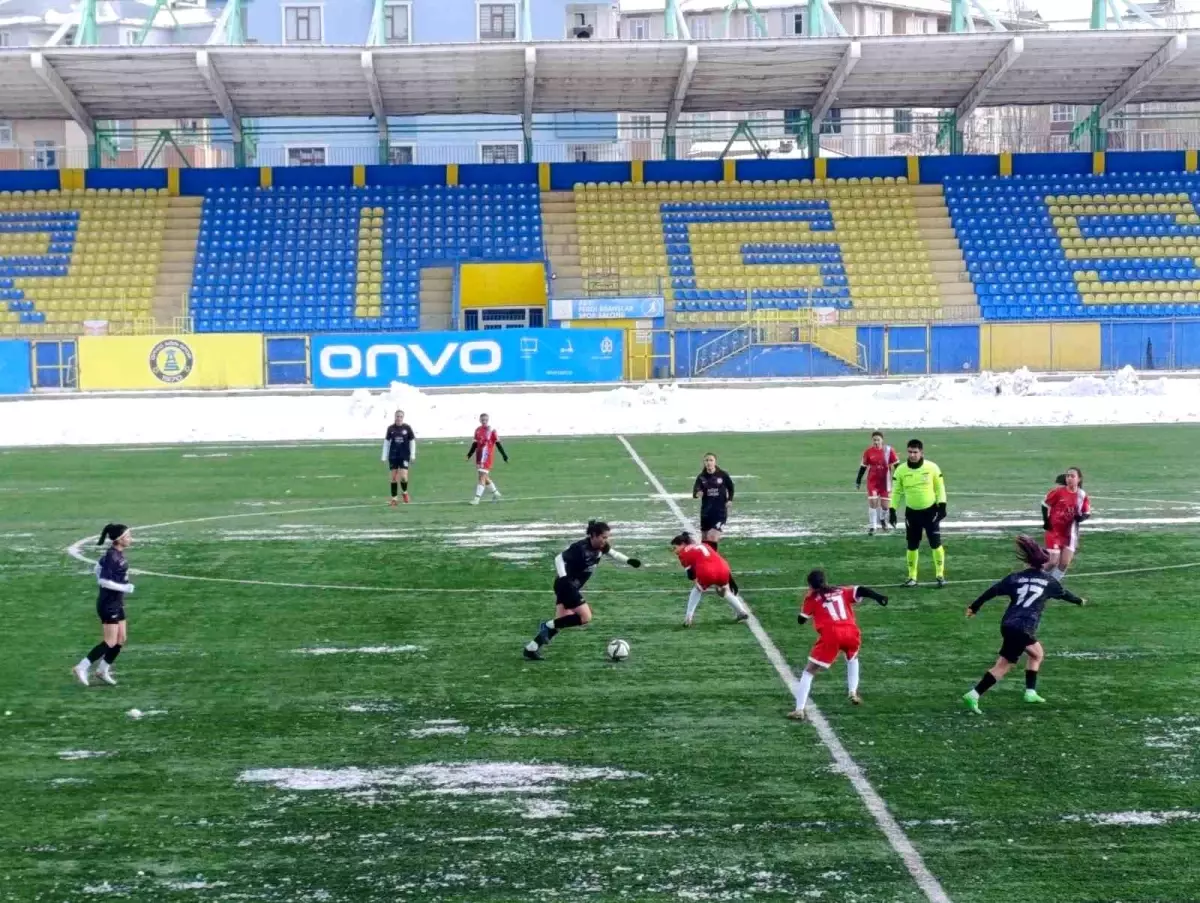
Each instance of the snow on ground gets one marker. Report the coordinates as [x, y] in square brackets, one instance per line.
[1010, 399]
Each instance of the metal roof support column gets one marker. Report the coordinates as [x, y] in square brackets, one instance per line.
[87, 34]
[960, 19]
[690, 58]
[65, 96]
[829, 95]
[216, 88]
[380, 114]
[527, 105]
[675, 25]
[375, 36]
[991, 75]
[821, 21]
[526, 20]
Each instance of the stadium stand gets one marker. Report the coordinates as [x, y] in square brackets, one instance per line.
[68, 257]
[295, 259]
[1060, 247]
[876, 249]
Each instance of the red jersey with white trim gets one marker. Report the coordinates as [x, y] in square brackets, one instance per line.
[703, 558]
[831, 609]
[485, 445]
[879, 463]
[1064, 506]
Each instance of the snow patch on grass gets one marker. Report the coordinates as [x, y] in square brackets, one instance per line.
[138, 714]
[71, 755]
[442, 727]
[1134, 818]
[358, 650]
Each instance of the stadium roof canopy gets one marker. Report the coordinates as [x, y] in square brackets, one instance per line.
[666, 77]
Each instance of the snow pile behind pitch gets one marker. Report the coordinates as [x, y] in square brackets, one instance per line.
[1008, 399]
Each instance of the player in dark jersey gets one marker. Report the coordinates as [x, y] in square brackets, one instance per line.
[1028, 592]
[399, 450]
[573, 568]
[112, 575]
[714, 488]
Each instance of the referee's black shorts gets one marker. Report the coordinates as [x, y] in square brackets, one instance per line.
[922, 520]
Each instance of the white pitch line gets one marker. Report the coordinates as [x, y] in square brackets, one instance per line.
[873, 802]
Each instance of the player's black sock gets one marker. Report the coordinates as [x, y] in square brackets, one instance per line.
[394, 485]
[733, 584]
[97, 652]
[403, 486]
[1031, 680]
[985, 683]
[111, 655]
[571, 620]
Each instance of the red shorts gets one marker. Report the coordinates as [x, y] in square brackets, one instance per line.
[712, 574]
[845, 638]
[1062, 539]
[878, 486]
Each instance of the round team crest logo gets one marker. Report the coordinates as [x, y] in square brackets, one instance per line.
[171, 361]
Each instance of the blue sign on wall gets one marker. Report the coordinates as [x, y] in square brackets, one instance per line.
[374, 361]
[14, 368]
[607, 308]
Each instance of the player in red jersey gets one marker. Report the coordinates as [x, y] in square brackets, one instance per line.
[708, 570]
[1065, 507]
[831, 609]
[878, 462]
[484, 446]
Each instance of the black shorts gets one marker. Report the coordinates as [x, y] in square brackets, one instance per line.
[567, 594]
[398, 463]
[712, 520]
[1013, 643]
[111, 612]
[919, 521]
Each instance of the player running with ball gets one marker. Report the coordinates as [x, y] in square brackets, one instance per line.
[1028, 592]
[708, 570]
[573, 568]
[831, 609]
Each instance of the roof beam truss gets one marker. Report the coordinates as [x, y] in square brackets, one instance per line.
[682, 83]
[829, 94]
[1145, 74]
[65, 96]
[527, 102]
[216, 87]
[990, 77]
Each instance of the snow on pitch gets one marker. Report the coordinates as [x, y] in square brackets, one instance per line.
[943, 401]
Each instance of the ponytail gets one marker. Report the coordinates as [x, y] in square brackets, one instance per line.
[112, 532]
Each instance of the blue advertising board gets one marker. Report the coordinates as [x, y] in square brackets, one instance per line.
[14, 368]
[374, 361]
[607, 308]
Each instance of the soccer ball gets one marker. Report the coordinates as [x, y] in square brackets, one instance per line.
[617, 651]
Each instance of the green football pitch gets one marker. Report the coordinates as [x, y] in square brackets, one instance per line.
[333, 704]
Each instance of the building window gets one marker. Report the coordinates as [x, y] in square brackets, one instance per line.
[6, 132]
[832, 123]
[639, 127]
[754, 28]
[506, 152]
[881, 26]
[396, 22]
[497, 22]
[129, 36]
[702, 127]
[793, 20]
[401, 154]
[302, 25]
[123, 137]
[306, 156]
[45, 155]
[902, 122]
[639, 28]
[1062, 112]
[700, 27]
[5, 38]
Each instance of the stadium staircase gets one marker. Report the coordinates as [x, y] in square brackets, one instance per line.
[562, 244]
[949, 268]
[180, 235]
[437, 298]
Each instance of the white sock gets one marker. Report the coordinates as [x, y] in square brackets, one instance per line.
[478, 490]
[494, 487]
[734, 602]
[871, 518]
[694, 601]
[84, 664]
[1058, 573]
[852, 675]
[802, 689]
[101, 666]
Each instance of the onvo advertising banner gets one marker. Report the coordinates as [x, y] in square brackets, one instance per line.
[373, 361]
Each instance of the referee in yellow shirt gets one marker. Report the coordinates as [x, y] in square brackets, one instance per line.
[920, 485]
